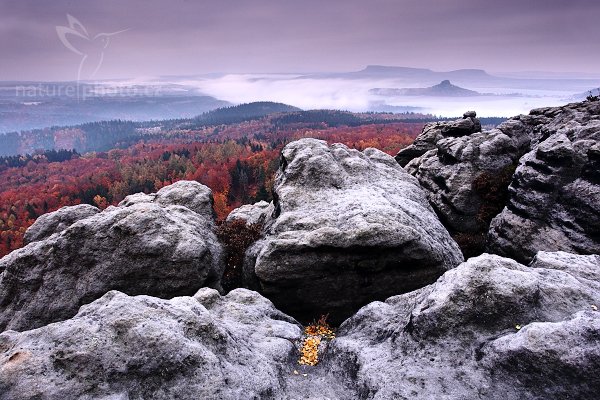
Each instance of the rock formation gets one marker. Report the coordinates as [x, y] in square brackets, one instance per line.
[554, 201]
[452, 172]
[490, 328]
[252, 213]
[159, 247]
[202, 347]
[348, 228]
[458, 166]
[464, 171]
[345, 228]
[434, 132]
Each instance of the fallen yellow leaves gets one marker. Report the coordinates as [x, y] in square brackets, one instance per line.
[309, 353]
[315, 333]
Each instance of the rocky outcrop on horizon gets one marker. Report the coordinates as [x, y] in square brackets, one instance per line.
[348, 228]
[152, 244]
[554, 196]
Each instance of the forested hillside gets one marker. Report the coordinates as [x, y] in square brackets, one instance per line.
[106, 135]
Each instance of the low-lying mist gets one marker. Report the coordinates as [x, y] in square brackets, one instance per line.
[503, 98]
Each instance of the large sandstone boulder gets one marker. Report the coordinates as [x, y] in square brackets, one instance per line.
[189, 194]
[348, 227]
[554, 197]
[158, 247]
[121, 347]
[490, 328]
[251, 214]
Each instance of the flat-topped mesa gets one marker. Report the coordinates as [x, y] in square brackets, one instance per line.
[162, 245]
[348, 227]
[435, 131]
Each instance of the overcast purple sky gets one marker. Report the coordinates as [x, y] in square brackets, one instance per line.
[179, 37]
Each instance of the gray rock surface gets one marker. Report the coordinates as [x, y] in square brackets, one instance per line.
[554, 197]
[256, 213]
[120, 347]
[349, 227]
[435, 131]
[465, 173]
[48, 224]
[490, 328]
[587, 267]
[456, 172]
[190, 194]
[145, 248]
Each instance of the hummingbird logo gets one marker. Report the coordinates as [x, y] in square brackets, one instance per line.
[91, 49]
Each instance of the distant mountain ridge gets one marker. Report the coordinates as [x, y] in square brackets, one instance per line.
[35, 105]
[388, 70]
[104, 135]
[443, 89]
[243, 112]
[408, 73]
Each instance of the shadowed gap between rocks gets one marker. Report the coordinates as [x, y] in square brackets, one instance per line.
[368, 274]
[492, 187]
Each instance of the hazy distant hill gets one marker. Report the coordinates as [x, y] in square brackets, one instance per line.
[584, 95]
[464, 77]
[410, 74]
[33, 105]
[105, 135]
[443, 89]
[243, 112]
[423, 73]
